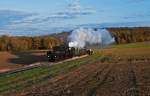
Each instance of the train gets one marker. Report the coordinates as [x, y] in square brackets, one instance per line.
[63, 52]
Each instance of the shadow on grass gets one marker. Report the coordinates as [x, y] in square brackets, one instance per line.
[26, 58]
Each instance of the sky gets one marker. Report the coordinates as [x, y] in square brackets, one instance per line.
[39, 17]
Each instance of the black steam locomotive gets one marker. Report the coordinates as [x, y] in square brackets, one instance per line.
[64, 52]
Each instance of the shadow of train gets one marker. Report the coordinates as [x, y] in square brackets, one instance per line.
[28, 57]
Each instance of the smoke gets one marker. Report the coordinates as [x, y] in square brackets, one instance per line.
[82, 36]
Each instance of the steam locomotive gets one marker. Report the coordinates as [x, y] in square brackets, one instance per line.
[63, 52]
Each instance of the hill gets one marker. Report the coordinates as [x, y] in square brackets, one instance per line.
[130, 34]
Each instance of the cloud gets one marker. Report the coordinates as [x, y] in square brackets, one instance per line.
[137, 1]
[136, 15]
[8, 16]
[74, 9]
[12, 13]
[31, 24]
[17, 21]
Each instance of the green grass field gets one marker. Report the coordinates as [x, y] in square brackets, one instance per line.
[133, 45]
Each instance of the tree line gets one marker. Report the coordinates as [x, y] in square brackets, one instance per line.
[122, 35]
[9, 43]
[130, 35]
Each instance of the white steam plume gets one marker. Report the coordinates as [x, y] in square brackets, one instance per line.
[80, 37]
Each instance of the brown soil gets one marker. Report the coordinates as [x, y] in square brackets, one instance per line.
[13, 60]
[126, 74]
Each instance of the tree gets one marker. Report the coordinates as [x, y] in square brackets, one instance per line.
[36, 43]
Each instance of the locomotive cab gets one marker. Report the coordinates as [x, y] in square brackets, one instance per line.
[60, 53]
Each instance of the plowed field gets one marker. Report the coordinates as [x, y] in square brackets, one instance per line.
[124, 72]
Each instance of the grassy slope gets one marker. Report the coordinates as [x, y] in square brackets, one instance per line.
[133, 45]
[25, 79]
